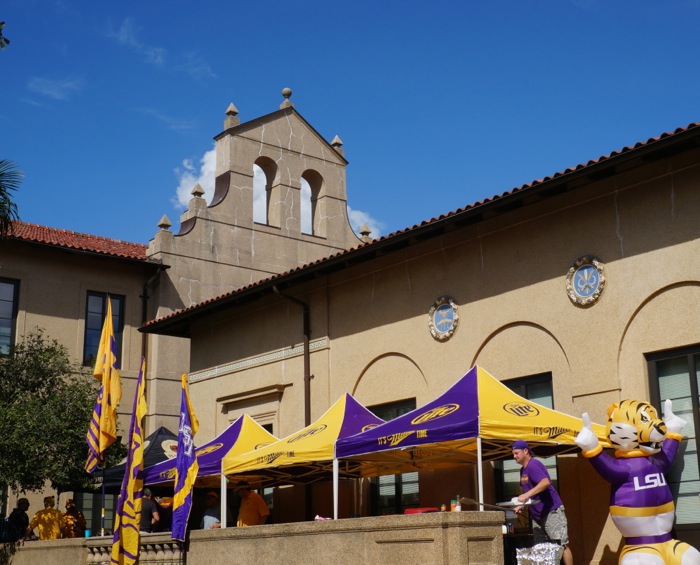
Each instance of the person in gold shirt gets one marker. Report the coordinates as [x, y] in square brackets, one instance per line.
[47, 520]
[253, 510]
[73, 521]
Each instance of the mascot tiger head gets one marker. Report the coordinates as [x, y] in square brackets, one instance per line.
[635, 425]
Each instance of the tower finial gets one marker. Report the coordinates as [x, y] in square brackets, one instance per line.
[232, 119]
[337, 144]
[287, 93]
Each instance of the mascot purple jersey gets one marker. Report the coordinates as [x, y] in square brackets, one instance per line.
[641, 504]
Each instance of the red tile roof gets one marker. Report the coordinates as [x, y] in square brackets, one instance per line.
[79, 241]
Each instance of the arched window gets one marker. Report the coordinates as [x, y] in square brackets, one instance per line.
[259, 195]
[264, 173]
[307, 225]
[311, 183]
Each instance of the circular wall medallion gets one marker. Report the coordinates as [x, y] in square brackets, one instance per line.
[585, 281]
[443, 318]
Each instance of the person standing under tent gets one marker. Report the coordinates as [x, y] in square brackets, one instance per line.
[253, 510]
[548, 517]
[149, 512]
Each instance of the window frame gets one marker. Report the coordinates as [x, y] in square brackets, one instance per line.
[13, 316]
[689, 532]
[118, 307]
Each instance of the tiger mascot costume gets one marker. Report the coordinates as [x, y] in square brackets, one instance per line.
[641, 504]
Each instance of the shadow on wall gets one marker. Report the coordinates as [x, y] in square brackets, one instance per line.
[7, 550]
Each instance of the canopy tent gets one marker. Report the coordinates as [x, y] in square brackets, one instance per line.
[242, 435]
[161, 445]
[475, 420]
[305, 456]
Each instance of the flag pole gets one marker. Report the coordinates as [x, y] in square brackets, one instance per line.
[102, 505]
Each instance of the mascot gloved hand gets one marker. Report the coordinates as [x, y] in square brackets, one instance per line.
[674, 424]
[641, 504]
[586, 439]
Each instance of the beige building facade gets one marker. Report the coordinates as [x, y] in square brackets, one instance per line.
[577, 290]
[620, 231]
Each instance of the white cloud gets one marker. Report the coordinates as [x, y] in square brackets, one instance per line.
[197, 68]
[192, 172]
[126, 35]
[358, 219]
[57, 89]
[174, 124]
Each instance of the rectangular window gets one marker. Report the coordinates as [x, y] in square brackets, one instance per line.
[392, 494]
[90, 504]
[675, 375]
[9, 294]
[95, 313]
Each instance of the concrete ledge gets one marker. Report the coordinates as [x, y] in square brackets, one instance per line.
[435, 538]
[58, 552]
[439, 538]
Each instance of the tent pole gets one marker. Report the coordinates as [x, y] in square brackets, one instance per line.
[479, 473]
[335, 488]
[224, 494]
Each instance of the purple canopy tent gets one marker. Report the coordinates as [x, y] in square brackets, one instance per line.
[243, 433]
[475, 420]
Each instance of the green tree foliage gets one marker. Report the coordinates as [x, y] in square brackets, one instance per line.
[46, 402]
[10, 179]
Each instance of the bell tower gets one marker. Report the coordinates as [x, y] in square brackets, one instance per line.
[279, 202]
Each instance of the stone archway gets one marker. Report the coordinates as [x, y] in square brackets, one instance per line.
[391, 377]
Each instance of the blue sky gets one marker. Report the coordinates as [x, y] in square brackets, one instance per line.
[110, 108]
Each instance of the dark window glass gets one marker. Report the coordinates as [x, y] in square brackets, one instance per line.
[9, 294]
[94, 320]
[392, 494]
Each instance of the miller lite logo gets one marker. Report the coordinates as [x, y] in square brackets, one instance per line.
[369, 427]
[522, 409]
[307, 433]
[209, 449]
[435, 413]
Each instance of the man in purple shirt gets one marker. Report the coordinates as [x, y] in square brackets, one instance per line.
[548, 517]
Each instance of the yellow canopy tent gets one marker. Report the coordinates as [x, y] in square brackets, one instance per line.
[305, 456]
[476, 420]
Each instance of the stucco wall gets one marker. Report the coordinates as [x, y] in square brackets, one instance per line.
[508, 276]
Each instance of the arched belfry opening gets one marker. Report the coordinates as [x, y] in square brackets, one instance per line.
[264, 180]
[311, 185]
